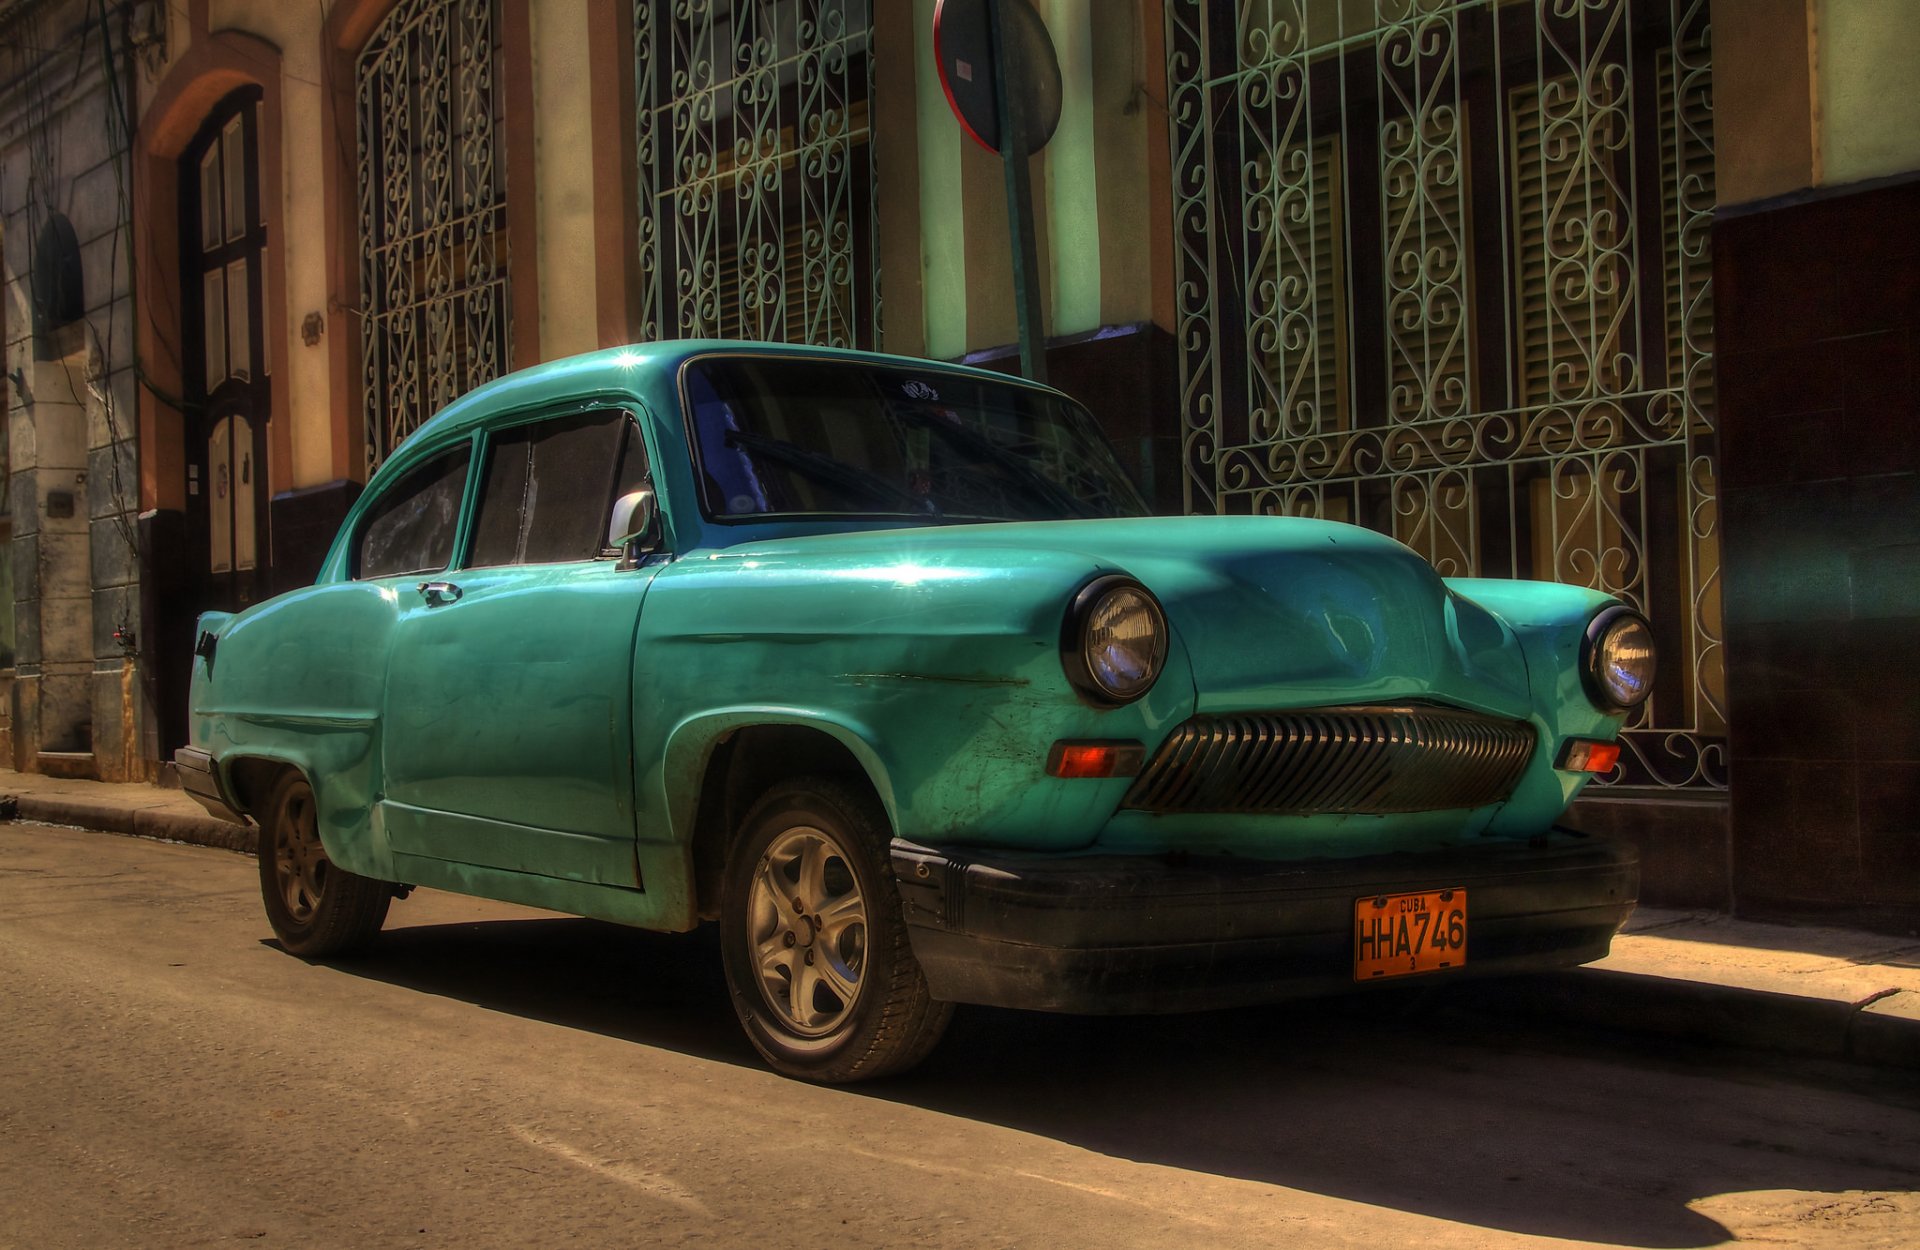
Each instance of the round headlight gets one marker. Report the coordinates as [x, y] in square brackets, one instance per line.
[1619, 659]
[1116, 640]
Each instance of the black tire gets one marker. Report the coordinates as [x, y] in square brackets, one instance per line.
[315, 909]
[849, 1002]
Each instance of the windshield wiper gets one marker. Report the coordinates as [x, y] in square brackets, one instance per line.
[835, 473]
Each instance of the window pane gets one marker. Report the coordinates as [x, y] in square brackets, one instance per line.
[266, 344]
[239, 322]
[215, 291]
[410, 529]
[548, 491]
[220, 506]
[570, 489]
[211, 232]
[259, 197]
[245, 539]
[233, 141]
[633, 463]
[498, 520]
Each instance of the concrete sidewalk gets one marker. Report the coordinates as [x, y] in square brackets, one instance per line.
[142, 810]
[1814, 992]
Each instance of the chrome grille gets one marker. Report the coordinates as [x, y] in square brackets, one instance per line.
[1335, 759]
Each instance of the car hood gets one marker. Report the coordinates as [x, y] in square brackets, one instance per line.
[1273, 612]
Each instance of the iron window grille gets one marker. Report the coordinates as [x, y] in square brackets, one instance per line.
[1443, 269]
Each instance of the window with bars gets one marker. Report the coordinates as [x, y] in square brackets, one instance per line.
[1445, 271]
[1297, 295]
[756, 176]
[1575, 283]
[434, 287]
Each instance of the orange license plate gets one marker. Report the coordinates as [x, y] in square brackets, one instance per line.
[1395, 935]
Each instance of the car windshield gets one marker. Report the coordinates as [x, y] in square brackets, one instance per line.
[785, 437]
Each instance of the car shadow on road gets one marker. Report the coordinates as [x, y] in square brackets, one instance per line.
[1403, 1101]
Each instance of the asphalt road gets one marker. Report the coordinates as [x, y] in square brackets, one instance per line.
[498, 1076]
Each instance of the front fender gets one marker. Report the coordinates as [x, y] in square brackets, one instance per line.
[940, 671]
[1549, 620]
[691, 743]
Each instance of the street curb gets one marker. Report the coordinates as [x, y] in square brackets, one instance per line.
[1700, 1011]
[139, 822]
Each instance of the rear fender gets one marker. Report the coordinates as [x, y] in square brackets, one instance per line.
[344, 822]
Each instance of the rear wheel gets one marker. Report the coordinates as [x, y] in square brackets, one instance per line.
[315, 908]
[816, 953]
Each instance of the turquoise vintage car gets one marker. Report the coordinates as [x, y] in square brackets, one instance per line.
[882, 664]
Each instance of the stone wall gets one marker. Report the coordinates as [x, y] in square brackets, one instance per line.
[72, 471]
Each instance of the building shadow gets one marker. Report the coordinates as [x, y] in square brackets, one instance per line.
[1409, 1101]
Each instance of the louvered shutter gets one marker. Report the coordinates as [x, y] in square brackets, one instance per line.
[1570, 301]
[736, 319]
[1313, 378]
[1427, 358]
[1686, 185]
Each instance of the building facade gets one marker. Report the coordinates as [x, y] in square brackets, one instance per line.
[1604, 291]
[71, 700]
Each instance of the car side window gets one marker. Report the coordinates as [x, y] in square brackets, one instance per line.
[550, 487]
[411, 528]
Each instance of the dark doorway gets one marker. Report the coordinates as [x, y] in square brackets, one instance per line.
[224, 252]
[216, 554]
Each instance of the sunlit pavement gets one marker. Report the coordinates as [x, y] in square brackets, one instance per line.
[494, 1075]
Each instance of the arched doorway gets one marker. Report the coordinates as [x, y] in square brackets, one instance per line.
[225, 358]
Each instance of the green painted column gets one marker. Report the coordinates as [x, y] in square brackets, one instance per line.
[943, 243]
[1073, 200]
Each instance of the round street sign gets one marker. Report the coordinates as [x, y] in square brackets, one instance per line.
[963, 48]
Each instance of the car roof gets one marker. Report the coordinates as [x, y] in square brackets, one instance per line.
[633, 369]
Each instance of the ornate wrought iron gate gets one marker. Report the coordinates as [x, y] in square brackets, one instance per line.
[433, 213]
[756, 170]
[1442, 269]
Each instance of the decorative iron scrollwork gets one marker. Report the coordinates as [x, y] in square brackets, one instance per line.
[757, 192]
[433, 214]
[1415, 287]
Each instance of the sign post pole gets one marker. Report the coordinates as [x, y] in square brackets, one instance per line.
[1002, 80]
[1010, 105]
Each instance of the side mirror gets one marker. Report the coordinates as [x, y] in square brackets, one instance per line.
[634, 517]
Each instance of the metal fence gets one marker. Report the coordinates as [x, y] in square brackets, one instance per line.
[433, 213]
[756, 166]
[1443, 269]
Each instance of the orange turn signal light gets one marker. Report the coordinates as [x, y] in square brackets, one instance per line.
[1095, 759]
[1586, 756]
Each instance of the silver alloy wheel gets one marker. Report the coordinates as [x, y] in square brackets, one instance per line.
[807, 931]
[299, 861]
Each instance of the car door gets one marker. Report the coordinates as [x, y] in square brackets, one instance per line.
[508, 720]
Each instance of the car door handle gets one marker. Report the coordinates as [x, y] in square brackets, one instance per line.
[439, 592]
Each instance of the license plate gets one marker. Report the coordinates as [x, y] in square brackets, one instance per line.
[1396, 935]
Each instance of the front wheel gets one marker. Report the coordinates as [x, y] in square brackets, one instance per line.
[816, 953]
[315, 908]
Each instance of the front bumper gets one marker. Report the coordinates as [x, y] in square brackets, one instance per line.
[1104, 934]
